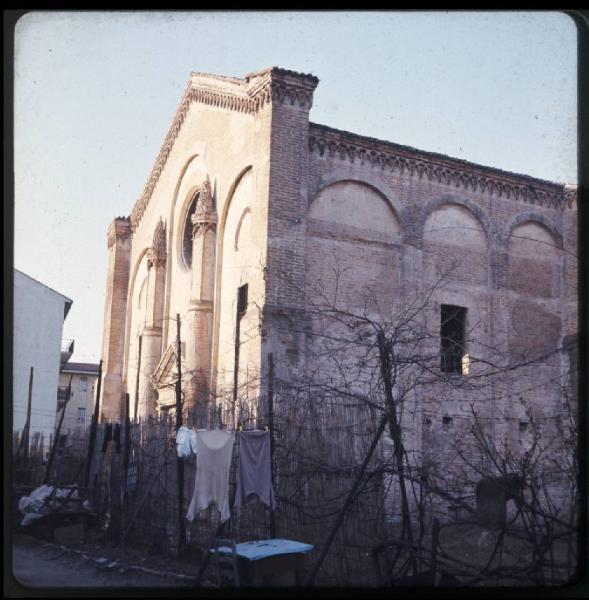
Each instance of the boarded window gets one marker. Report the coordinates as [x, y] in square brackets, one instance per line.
[240, 311]
[452, 333]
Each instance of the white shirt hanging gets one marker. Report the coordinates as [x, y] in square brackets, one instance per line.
[214, 450]
[185, 442]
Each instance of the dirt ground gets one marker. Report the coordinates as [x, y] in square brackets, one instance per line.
[39, 564]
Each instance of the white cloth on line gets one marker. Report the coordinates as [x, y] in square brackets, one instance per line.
[185, 442]
[213, 462]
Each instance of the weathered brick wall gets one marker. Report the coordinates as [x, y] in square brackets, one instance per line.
[309, 218]
[512, 287]
[304, 210]
[119, 245]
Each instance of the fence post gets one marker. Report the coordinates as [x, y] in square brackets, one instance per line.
[271, 432]
[127, 449]
[56, 437]
[137, 377]
[179, 463]
[93, 426]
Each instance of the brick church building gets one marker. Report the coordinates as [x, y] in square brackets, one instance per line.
[257, 227]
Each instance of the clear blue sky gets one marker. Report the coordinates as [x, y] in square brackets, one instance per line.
[96, 92]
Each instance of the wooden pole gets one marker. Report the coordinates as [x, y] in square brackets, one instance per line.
[271, 431]
[434, 556]
[127, 447]
[137, 379]
[56, 437]
[93, 427]
[179, 463]
[395, 431]
[23, 450]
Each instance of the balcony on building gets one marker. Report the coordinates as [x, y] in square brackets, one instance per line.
[67, 349]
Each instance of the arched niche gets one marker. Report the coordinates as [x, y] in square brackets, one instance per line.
[239, 264]
[190, 176]
[454, 224]
[357, 208]
[533, 239]
[353, 248]
[243, 228]
[136, 316]
[533, 261]
[142, 297]
[455, 247]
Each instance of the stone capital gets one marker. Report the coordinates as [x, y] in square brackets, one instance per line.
[205, 216]
[154, 259]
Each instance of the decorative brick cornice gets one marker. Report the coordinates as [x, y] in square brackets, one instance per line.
[247, 95]
[119, 229]
[570, 194]
[437, 167]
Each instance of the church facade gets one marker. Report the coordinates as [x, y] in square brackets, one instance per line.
[255, 220]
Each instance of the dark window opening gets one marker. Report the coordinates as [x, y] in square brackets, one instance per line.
[452, 332]
[187, 234]
[240, 311]
[241, 301]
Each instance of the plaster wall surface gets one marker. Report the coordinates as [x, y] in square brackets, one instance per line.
[39, 314]
[80, 407]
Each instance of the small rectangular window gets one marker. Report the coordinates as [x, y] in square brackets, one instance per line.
[81, 415]
[83, 384]
[241, 300]
[452, 332]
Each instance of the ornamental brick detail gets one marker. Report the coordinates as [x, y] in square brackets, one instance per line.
[205, 216]
[248, 95]
[325, 141]
[156, 255]
[119, 229]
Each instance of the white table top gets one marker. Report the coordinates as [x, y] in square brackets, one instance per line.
[259, 549]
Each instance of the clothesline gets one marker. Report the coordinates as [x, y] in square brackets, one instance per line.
[214, 451]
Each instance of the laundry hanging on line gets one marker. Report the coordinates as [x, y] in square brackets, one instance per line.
[214, 450]
[255, 469]
[185, 442]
